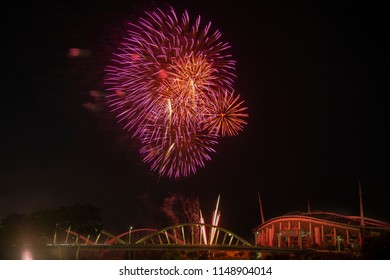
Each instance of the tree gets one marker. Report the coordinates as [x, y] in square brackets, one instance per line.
[39, 226]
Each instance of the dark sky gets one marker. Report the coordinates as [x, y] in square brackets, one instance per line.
[314, 75]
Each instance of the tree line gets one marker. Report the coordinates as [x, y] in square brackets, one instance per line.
[38, 227]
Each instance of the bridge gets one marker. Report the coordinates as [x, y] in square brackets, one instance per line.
[187, 237]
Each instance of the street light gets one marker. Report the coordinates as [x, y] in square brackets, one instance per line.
[130, 234]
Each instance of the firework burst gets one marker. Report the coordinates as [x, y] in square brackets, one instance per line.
[225, 114]
[171, 85]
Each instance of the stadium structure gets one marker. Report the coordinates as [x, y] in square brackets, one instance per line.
[319, 230]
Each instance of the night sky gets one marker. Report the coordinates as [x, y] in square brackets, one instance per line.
[313, 75]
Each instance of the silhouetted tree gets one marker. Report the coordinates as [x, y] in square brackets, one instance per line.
[39, 226]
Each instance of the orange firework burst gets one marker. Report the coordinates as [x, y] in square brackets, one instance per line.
[226, 115]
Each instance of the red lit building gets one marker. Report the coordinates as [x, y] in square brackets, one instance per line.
[321, 230]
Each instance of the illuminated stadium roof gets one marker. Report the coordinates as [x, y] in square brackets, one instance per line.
[336, 218]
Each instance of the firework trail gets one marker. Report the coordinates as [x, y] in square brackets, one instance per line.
[171, 85]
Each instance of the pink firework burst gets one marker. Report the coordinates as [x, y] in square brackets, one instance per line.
[171, 85]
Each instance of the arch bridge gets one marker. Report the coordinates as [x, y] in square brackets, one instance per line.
[187, 237]
[184, 235]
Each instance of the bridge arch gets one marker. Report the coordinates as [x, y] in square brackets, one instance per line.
[133, 235]
[127, 237]
[193, 234]
[185, 234]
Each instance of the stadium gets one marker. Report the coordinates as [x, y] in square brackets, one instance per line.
[321, 230]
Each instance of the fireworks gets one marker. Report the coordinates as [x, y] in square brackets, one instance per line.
[171, 85]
